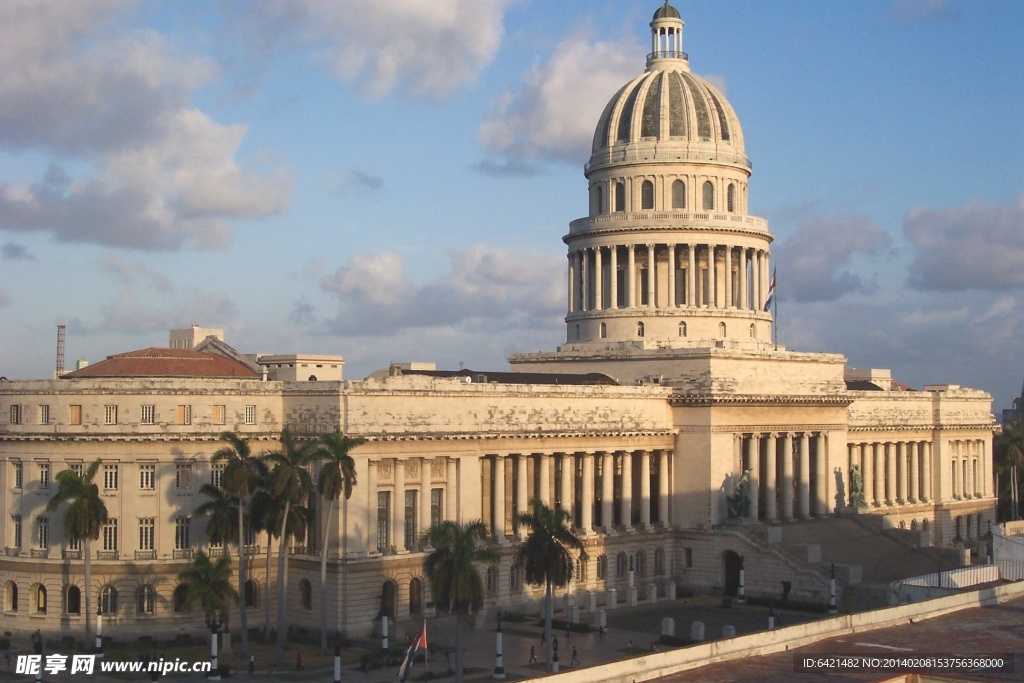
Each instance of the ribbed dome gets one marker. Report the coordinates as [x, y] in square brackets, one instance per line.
[669, 105]
[667, 11]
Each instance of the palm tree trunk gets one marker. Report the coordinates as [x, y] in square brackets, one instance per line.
[282, 564]
[458, 648]
[242, 577]
[547, 625]
[266, 602]
[323, 582]
[88, 602]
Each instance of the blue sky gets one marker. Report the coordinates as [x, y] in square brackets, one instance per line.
[390, 181]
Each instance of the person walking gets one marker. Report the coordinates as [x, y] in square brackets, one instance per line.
[533, 655]
[298, 661]
[575, 658]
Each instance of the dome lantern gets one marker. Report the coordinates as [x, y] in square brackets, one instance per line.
[667, 37]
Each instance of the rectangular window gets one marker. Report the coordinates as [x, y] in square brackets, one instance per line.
[110, 477]
[19, 475]
[183, 477]
[147, 477]
[220, 415]
[410, 520]
[43, 529]
[44, 475]
[74, 544]
[383, 520]
[436, 506]
[217, 475]
[44, 414]
[110, 414]
[250, 534]
[184, 415]
[689, 558]
[148, 414]
[77, 468]
[250, 415]
[110, 535]
[16, 523]
[75, 415]
[181, 533]
[146, 533]
[16, 414]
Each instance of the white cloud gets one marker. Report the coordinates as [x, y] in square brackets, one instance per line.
[422, 48]
[974, 246]
[133, 164]
[906, 12]
[554, 112]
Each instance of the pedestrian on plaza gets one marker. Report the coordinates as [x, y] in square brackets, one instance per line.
[298, 661]
[575, 659]
[533, 655]
[252, 664]
[629, 643]
[7, 656]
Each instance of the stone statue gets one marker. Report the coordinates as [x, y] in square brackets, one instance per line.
[856, 488]
[738, 504]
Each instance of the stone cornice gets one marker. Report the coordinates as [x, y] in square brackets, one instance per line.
[707, 400]
[483, 436]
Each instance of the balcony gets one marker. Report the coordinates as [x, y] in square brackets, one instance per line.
[107, 554]
[252, 550]
[182, 554]
[145, 554]
[216, 551]
[40, 553]
[71, 554]
[12, 552]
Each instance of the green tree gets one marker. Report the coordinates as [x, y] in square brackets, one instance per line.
[291, 484]
[242, 474]
[221, 511]
[83, 520]
[337, 477]
[547, 555]
[454, 581]
[209, 583]
[1008, 447]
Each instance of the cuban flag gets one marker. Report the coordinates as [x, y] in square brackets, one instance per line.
[420, 643]
[771, 294]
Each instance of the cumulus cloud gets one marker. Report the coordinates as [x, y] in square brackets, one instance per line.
[974, 246]
[12, 251]
[490, 287]
[133, 164]
[432, 49]
[905, 12]
[552, 115]
[132, 314]
[353, 181]
[817, 259]
[130, 272]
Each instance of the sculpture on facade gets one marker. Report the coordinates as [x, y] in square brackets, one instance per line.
[856, 488]
[738, 504]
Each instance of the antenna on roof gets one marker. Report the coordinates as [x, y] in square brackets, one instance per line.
[60, 350]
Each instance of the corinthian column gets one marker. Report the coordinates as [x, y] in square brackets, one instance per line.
[613, 266]
[587, 511]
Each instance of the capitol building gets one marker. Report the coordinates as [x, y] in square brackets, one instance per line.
[668, 390]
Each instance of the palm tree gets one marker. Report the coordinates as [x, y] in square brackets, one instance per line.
[242, 472]
[83, 521]
[264, 515]
[209, 583]
[454, 582]
[546, 556]
[291, 483]
[222, 512]
[337, 477]
[1009, 463]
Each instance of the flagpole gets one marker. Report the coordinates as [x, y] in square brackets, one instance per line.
[426, 652]
[775, 317]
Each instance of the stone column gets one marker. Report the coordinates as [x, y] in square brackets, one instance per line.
[755, 279]
[607, 491]
[398, 509]
[452, 491]
[691, 276]
[786, 441]
[651, 299]
[663, 489]
[804, 476]
[568, 474]
[901, 472]
[645, 490]
[626, 509]
[728, 277]
[712, 277]
[914, 490]
[754, 464]
[743, 279]
[587, 512]
[599, 302]
[571, 287]
[424, 520]
[926, 472]
[631, 276]
[671, 276]
[770, 464]
[613, 266]
[823, 472]
[889, 455]
[983, 486]
[585, 303]
[498, 498]
[969, 491]
[544, 477]
[867, 468]
[371, 512]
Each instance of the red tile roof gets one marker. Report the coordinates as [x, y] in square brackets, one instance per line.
[158, 362]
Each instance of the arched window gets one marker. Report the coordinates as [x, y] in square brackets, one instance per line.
[924, 525]
[730, 198]
[252, 594]
[959, 528]
[513, 578]
[639, 329]
[913, 525]
[721, 329]
[580, 573]
[41, 599]
[678, 195]
[602, 567]
[641, 563]
[73, 600]
[620, 565]
[144, 600]
[108, 600]
[306, 594]
[981, 526]
[659, 561]
[620, 196]
[753, 331]
[682, 329]
[708, 194]
[11, 597]
[967, 523]
[595, 200]
[492, 579]
[416, 596]
[577, 331]
[180, 593]
[647, 195]
[604, 331]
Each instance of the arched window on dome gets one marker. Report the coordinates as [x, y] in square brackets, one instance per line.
[730, 198]
[595, 200]
[708, 193]
[604, 330]
[753, 331]
[647, 195]
[678, 194]
[639, 329]
[721, 329]
[620, 196]
[682, 329]
[577, 331]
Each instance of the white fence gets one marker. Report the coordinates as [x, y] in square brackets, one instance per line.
[965, 577]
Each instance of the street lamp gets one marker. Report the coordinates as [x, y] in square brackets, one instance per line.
[214, 623]
[99, 629]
